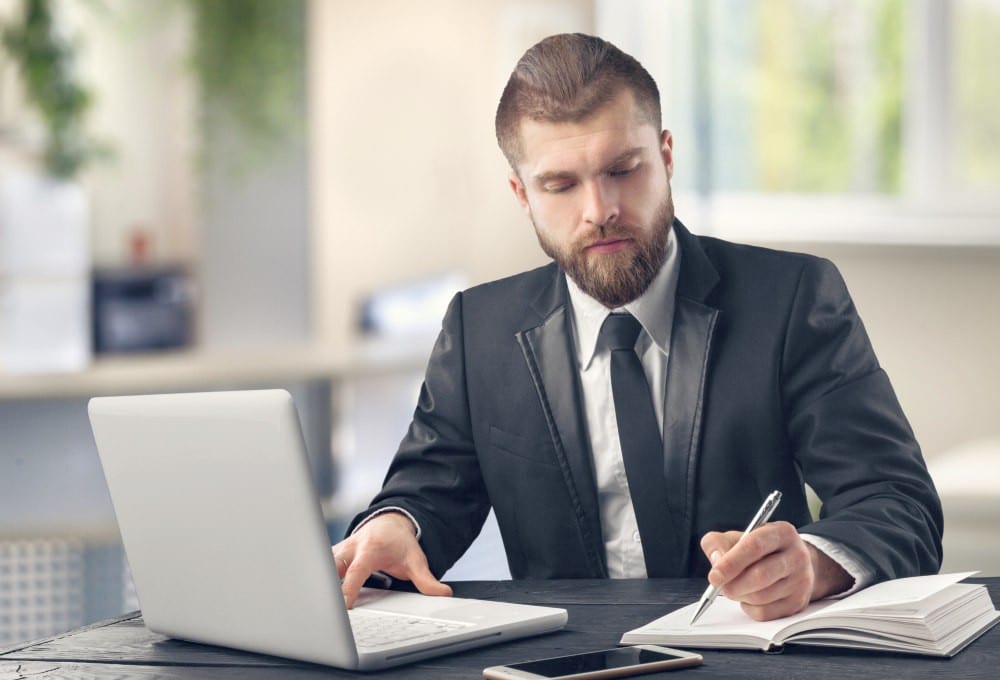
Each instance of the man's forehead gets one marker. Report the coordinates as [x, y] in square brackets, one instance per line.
[548, 148]
[614, 129]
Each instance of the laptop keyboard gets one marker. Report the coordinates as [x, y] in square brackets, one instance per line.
[378, 629]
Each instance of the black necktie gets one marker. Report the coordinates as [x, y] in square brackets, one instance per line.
[642, 446]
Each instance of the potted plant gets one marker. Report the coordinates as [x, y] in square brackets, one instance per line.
[44, 240]
[249, 60]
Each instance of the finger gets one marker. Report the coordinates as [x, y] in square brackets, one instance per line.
[759, 576]
[342, 556]
[354, 578]
[775, 610]
[715, 544]
[759, 543]
[342, 565]
[773, 592]
[793, 591]
[789, 569]
[424, 580]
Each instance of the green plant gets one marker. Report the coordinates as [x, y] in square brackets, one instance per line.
[249, 58]
[45, 60]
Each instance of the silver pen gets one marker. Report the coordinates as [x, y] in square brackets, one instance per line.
[765, 512]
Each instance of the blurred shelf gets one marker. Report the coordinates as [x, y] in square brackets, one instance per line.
[216, 369]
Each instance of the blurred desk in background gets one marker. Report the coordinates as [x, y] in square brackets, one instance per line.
[194, 370]
[314, 367]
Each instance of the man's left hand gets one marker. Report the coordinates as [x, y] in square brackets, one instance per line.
[772, 572]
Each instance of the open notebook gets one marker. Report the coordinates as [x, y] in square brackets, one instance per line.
[932, 615]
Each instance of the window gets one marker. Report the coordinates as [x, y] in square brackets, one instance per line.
[815, 120]
[976, 94]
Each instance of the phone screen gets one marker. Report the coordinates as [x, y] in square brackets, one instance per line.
[591, 661]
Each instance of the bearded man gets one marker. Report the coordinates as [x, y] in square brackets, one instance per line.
[625, 409]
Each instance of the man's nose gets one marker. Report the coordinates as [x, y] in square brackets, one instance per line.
[601, 205]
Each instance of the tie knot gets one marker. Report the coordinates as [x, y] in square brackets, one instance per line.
[619, 331]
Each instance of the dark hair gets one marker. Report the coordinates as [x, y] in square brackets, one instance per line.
[567, 78]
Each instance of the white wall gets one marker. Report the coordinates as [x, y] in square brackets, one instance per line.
[407, 178]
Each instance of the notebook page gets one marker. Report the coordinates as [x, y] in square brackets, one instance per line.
[723, 620]
[898, 591]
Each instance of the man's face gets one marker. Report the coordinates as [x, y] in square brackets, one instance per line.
[598, 193]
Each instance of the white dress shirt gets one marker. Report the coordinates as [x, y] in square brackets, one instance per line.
[654, 310]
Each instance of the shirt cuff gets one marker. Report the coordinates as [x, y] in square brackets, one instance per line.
[851, 562]
[382, 511]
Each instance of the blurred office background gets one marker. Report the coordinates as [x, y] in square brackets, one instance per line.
[286, 193]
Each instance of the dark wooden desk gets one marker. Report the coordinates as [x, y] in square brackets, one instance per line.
[599, 612]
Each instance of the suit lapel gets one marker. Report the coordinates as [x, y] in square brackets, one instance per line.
[550, 355]
[690, 347]
[689, 350]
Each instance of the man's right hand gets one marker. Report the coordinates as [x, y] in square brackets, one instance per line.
[386, 543]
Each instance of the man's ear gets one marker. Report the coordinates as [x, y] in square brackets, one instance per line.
[517, 186]
[667, 149]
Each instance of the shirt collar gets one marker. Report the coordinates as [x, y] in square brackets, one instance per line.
[654, 308]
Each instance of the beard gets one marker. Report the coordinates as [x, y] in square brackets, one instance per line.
[615, 279]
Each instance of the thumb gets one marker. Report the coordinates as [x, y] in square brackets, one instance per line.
[425, 582]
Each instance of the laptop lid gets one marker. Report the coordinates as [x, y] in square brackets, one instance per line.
[226, 540]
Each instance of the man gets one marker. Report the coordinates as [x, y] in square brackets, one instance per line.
[644, 451]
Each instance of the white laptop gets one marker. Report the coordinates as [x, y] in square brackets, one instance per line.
[227, 544]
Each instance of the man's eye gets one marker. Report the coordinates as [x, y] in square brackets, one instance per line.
[621, 172]
[560, 188]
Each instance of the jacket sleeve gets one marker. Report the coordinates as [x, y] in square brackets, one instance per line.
[435, 474]
[851, 440]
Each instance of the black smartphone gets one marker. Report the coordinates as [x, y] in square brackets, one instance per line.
[607, 663]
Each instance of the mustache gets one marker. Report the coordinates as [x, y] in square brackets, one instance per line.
[605, 232]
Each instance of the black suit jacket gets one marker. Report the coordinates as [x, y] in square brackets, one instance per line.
[772, 382]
